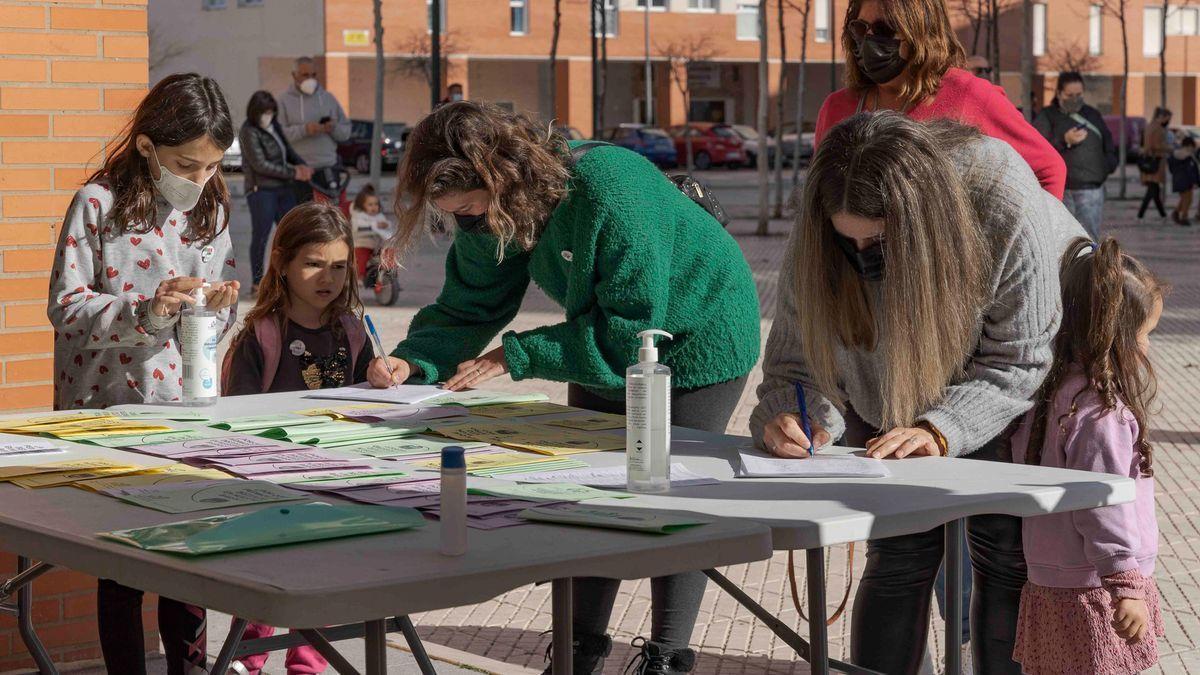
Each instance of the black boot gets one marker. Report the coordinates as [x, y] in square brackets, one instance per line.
[588, 653]
[656, 659]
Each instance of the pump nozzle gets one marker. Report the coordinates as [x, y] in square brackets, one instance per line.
[649, 353]
[199, 296]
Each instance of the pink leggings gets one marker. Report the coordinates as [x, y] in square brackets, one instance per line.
[303, 660]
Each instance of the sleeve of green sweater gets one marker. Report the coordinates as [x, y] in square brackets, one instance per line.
[632, 269]
[480, 296]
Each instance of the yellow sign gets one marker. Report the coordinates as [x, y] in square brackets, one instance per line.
[356, 38]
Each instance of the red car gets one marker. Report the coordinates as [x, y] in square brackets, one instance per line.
[712, 145]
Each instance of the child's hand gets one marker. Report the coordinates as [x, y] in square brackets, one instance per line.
[172, 294]
[380, 378]
[1131, 619]
[222, 295]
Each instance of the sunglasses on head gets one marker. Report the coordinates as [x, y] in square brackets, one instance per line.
[985, 70]
[859, 30]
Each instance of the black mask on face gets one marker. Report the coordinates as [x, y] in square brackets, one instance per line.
[879, 58]
[467, 223]
[867, 262]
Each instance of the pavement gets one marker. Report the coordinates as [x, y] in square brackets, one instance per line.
[508, 634]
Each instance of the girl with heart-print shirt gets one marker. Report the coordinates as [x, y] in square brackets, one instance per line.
[147, 229]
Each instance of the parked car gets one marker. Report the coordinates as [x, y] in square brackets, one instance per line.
[356, 151]
[650, 142]
[570, 133]
[232, 161]
[1134, 128]
[750, 143]
[806, 140]
[712, 145]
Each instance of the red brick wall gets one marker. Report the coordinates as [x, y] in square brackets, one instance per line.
[70, 71]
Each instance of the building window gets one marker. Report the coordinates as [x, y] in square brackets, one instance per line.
[1039, 29]
[209, 5]
[1152, 31]
[429, 16]
[655, 5]
[1182, 21]
[821, 20]
[611, 17]
[1095, 30]
[747, 21]
[518, 16]
[702, 5]
[250, 3]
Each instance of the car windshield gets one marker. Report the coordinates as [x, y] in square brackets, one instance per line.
[724, 132]
[654, 133]
[393, 131]
[748, 133]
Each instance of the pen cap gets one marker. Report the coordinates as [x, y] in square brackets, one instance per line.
[454, 457]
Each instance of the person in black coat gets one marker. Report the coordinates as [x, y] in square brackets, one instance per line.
[270, 165]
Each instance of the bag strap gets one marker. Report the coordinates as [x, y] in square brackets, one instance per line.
[356, 335]
[1080, 119]
[270, 341]
[791, 569]
[582, 149]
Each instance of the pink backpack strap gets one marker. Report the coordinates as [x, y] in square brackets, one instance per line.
[270, 341]
[356, 335]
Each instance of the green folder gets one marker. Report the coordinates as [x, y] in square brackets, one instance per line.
[272, 526]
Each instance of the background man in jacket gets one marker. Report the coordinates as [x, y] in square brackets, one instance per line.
[313, 122]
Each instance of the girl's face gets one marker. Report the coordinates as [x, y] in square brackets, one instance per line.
[1143, 336]
[197, 160]
[371, 205]
[317, 275]
[472, 203]
[863, 231]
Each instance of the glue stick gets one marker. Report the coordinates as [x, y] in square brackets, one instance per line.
[452, 511]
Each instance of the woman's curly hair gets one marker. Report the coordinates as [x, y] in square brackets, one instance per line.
[468, 146]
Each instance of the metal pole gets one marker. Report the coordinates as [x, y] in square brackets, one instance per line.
[225, 656]
[818, 639]
[416, 646]
[33, 644]
[562, 659]
[435, 54]
[595, 76]
[649, 75]
[953, 563]
[376, 647]
[832, 51]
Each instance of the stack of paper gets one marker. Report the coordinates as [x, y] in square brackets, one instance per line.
[539, 438]
[204, 495]
[478, 397]
[589, 422]
[608, 477]
[174, 473]
[63, 473]
[24, 447]
[510, 410]
[410, 446]
[258, 423]
[758, 465]
[382, 412]
[618, 518]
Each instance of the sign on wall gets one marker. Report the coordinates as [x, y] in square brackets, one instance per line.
[356, 37]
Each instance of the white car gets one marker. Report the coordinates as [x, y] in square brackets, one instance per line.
[232, 161]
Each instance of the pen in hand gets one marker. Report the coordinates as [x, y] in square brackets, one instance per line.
[379, 351]
[804, 423]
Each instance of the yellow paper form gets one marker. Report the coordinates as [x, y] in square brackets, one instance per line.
[590, 422]
[45, 480]
[511, 410]
[544, 440]
[149, 478]
[102, 429]
[492, 461]
[31, 424]
[340, 412]
[10, 472]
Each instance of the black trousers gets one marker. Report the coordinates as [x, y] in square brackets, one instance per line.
[1153, 193]
[182, 628]
[890, 622]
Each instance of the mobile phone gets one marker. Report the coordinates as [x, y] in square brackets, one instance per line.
[324, 120]
[1079, 126]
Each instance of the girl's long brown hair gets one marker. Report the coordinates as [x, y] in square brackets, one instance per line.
[933, 47]
[180, 109]
[937, 260]
[468, 146]
[1107, 298]
[306, 224]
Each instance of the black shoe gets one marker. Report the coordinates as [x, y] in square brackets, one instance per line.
[656, 659]
[588, 653]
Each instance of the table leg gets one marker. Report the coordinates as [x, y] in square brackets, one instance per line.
[563, 658]
[225, 657]
[818, 638]
[376, 643]
[953, 563]
[416, 646]
[326, 649]
[25, 615]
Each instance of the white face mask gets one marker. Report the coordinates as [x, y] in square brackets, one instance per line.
[265, 120]
[309, 86]
[180, 193]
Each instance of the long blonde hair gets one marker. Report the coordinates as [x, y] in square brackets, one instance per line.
[936, 258]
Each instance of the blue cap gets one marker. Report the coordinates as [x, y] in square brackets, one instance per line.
[454, 457]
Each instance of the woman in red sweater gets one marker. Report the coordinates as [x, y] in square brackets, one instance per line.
[903, 55]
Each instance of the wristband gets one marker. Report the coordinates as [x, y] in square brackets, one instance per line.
[938, 438]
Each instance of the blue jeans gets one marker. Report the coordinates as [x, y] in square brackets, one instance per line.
[267, 207]
[1087, 205]
[939, 589]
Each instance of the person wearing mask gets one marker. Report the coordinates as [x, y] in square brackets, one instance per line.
[919, 323]
[313, 122]
[1151, 164]
[1078, 132]
[269, 165]
[904, 55]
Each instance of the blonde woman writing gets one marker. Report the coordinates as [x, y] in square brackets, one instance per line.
[919, 323]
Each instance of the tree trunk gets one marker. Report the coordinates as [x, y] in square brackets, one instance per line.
[435, 55]
[976, 24]
[764, 100]
[603, 61]
[800, 89]
[995, 57]
[1027, 59]
[1124, 96]
[1162, 59]
[763, 148]
[554, 59]
[377, 134]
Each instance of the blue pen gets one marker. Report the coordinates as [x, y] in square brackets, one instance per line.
[379, 346]
[804, 425]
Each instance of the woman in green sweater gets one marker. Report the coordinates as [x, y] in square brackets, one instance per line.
[622, 250]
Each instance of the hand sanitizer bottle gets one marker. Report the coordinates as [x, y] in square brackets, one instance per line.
[199, 334]
[648, 419]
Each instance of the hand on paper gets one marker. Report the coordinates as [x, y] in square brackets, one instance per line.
[473, 372]
[784, 436]
[903, 442]
[1131, 619]
[380, 378]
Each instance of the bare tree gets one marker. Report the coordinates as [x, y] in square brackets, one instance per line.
[804, 11]
[554, 59]
[163, 48]
[975, 18]
[1073, 57]
[419, 47]
[994, 39]
[1120, 10]
[764, 100]
[681, 56]
[377, 133]
[1028, 61]
[1162, 57]
[781, 100]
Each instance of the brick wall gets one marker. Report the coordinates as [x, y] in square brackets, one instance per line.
[70, 71]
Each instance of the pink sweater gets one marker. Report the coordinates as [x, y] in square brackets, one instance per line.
[1076, 549]
[975, 101]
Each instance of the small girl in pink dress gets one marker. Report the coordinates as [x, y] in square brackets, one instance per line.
[1090, 606]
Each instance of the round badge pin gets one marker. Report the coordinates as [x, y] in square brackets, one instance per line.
[297, 348]
[206, 254]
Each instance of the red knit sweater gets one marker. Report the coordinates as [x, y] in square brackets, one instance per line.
[975, 101]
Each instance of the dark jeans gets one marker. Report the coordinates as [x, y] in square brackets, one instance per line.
[890, 622]
[303, 190]
[181, 626]
[267, 207]
[675, 599]
[1153, 193]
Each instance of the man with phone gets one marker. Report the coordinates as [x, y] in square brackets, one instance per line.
[313, 121]
[1078, 132]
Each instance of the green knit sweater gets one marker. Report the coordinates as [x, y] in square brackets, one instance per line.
[625, 251]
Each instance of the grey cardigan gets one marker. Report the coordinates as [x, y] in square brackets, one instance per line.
[1029, 230]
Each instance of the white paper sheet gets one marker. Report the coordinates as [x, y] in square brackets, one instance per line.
[757, 465]
[30, 446]
[405, 394]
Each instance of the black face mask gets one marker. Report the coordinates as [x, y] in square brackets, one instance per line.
[879, 58]
[468, 223]
[867, 262]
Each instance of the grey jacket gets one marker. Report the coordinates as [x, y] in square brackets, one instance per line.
[266, 163]
[297, 109]
[1029, 230]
